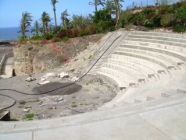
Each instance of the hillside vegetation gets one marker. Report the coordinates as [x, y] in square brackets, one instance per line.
[109, 18]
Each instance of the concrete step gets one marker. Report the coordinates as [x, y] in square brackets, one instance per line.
[144, 63]
[171, 59]
[143, 69]
[161, 62]
[122, 84]
[132, 82]
[162, 34]
[164, 38]
[134, 73]
[167, 49]
[134, 38]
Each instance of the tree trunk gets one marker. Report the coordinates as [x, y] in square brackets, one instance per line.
[43, 29]
[54, 9]
[96, 8]
[117, 11]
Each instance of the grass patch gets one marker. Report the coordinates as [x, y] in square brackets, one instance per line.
[75, 59]
[179, 29]
[84, 58]
[89, 82]
[34, 101]
[73, 106]
[26, 107]
[20, 106]
[81, 104]
[73, 96]
[14, 120]
[29, 116]
[90, 57]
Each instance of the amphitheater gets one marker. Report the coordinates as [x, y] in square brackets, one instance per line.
[149, 71]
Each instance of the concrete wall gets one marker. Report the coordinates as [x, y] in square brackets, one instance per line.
[2, 62]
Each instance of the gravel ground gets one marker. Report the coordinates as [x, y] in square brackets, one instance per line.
[84, 96]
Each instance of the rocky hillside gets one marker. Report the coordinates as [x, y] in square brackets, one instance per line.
[35, 56]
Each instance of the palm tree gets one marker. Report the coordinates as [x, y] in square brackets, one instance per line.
[117, 9]
[53, 2]
[36, 28]
[45, 19]
[64, 18]
[25, 22]
[109, 6]
[96, 3]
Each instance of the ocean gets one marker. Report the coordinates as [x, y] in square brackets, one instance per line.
[11, 33]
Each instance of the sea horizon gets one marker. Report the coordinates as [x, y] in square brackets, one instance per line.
[11, 33]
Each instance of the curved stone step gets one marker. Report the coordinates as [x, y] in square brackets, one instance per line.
[178, 53]
[158, 41]
[158, 61]
[143, 69]
[144, 63]
[171, 59]
[168, 49]
[121, 83]
[134, 73]
[132, 82]
[164, 38]
[172, 35]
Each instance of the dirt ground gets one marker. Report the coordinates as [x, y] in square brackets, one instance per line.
[62, 97]
[69, 99]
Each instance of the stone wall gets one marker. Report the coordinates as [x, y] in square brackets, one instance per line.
[33, 57]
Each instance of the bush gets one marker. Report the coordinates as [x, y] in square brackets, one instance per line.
[156, 20]
[64, 39]
[37, 37]
[56, 29]
[48, 36]
[75, 32]
[22, 39]
[103, 26]
[61, 33]
[179, 29]
[55, 40]
[166, 20]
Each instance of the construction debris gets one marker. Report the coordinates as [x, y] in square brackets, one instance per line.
[63, 75]
[75, 79]
[30, 79]
[43, 82]
[26, 110]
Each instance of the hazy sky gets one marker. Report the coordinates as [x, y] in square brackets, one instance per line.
[11, 10]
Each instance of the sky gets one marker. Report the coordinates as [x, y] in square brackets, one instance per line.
[11, 10]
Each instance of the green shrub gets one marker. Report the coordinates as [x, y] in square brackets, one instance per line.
[22, 39]
[156, 20]
[29, 116]
[166, 20]
[73, 106]
[14, 120]
[64, 39]
[37, 37]
[179, 29]
[48, 36]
